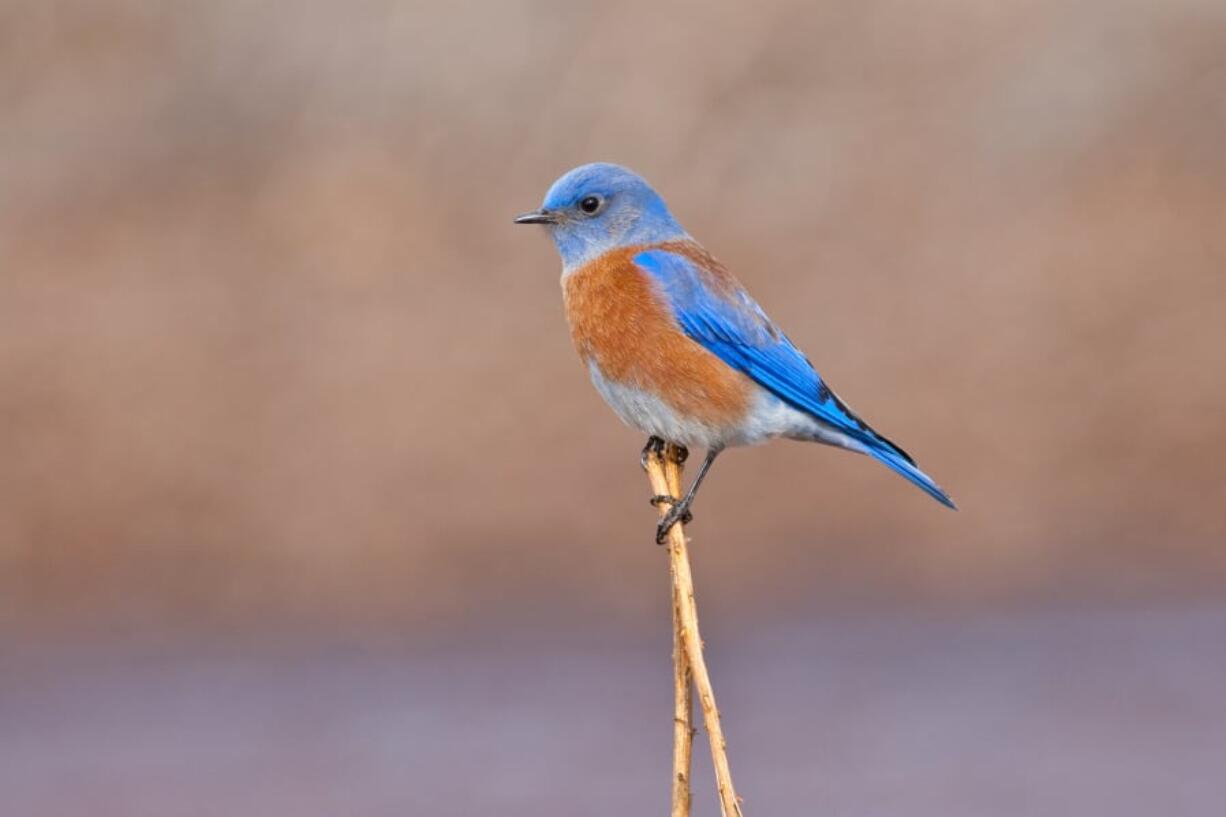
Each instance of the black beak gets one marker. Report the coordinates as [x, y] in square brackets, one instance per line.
[537, 217]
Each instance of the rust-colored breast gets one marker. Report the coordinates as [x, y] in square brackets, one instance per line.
[620, 322]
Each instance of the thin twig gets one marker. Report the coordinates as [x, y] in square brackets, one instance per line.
[683, 592]
[683, 727]
[683, 699]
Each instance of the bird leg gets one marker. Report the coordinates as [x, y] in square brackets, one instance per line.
[680, 511]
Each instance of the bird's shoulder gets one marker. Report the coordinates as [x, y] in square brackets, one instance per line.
[684, 265]
[704, 296]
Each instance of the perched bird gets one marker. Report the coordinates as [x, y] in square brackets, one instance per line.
[674, 343]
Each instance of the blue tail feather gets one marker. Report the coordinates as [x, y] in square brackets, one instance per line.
[912, 473]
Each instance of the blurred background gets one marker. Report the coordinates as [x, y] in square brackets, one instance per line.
[306, 502]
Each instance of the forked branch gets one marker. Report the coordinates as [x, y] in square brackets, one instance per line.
[665, 475]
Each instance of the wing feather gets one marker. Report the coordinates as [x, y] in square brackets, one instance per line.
[714, 310]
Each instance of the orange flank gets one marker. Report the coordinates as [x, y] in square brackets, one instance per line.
[620, 322]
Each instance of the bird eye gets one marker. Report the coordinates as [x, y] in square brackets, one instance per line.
[590, 204]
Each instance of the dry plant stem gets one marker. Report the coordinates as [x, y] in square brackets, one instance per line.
[683, 712]
[683, 700]
[687, 612]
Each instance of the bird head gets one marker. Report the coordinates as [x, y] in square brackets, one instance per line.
[600, 207]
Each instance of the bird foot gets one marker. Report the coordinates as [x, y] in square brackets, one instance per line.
[656, 447]
[679, 512]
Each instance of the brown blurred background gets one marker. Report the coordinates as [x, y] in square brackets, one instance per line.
[276, 368]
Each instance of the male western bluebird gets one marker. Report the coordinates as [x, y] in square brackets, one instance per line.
[673, 342]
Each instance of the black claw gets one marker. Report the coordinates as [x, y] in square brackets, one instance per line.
[664, 499]
[677, 513]
[682, 454]
[655, 445]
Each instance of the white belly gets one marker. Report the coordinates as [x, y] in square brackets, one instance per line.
[768, 418]
[651, 415]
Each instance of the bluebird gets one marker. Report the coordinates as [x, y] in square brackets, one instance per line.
[674, 343]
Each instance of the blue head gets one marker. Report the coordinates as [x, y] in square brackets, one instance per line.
[600, 207]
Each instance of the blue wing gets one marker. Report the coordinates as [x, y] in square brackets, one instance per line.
[717, 313]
